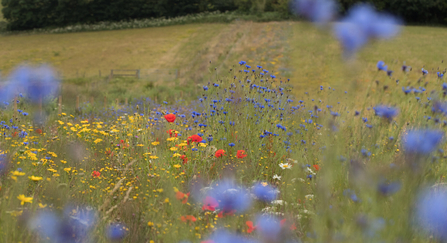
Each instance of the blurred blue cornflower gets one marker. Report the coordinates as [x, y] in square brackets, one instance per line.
[431, 212]
[318, 11]
[37, 83]
[440, 75]
[116, 231]
[264, 192]
[362, 24]
[387, 112]
[422, 141]
[387, 189]
[231, 197]
[75, 226]
[381, 66]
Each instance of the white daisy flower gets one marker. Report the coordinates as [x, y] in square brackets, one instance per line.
[285, 166]
[277, 177]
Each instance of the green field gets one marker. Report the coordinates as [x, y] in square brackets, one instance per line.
[295, 50]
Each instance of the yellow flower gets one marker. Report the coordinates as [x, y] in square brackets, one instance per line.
[153, 157]
[67, 169]
[176, 155]
[18, 173]
[97, 141]
[64, 114]
[167, 200]
[173, 149]
[24, 199]
[150, 224]
[35, 178]
[63, 161]
[155, 143]
[177, 166]
[42, 205]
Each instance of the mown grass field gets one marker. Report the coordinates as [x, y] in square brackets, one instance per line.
[293, 49]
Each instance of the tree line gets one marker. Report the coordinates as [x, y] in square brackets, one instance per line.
[30, 14]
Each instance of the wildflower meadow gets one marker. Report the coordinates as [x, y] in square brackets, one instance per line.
[249, 159]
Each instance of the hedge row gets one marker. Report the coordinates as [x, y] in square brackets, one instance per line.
[31, 14]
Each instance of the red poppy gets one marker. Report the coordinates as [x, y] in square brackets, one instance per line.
[170, 117]
[220, 153]
[209, 204]
[226, 213]
[195, 138]
[188, 218]
[241, 154]
[251, 228]
[96, 174]
[38, 131]
[182, 196]
[317, 168]
[171, 132]
[185, 160]
[14, 134]
[291, 227]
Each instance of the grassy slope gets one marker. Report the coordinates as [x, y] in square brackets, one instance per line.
[295, 50]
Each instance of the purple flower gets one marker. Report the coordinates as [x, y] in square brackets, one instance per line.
[230, 197]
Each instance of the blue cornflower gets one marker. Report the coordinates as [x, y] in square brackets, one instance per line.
[386, 111]
[37, 83]
[368, 126]
[422, 141]
[231, 197]
[363, 23]
[381, 66]
[424, 72]
[216, 85]
[205, 88]
[317, 11]
[388, 189]
[431, 212]
[269, 227]
[264, 192]
[242, 62]
[231, 144]
[25, 113]
[440, 75]
[116, 231]
[365, 153]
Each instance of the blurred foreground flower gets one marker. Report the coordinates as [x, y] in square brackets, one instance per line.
[317, 11]
[36, 83]
[431, 213]
[362, 24]
[265, 192]
[74, 225]
[422, 141]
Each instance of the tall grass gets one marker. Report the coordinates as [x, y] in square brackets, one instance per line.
[127, 164]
